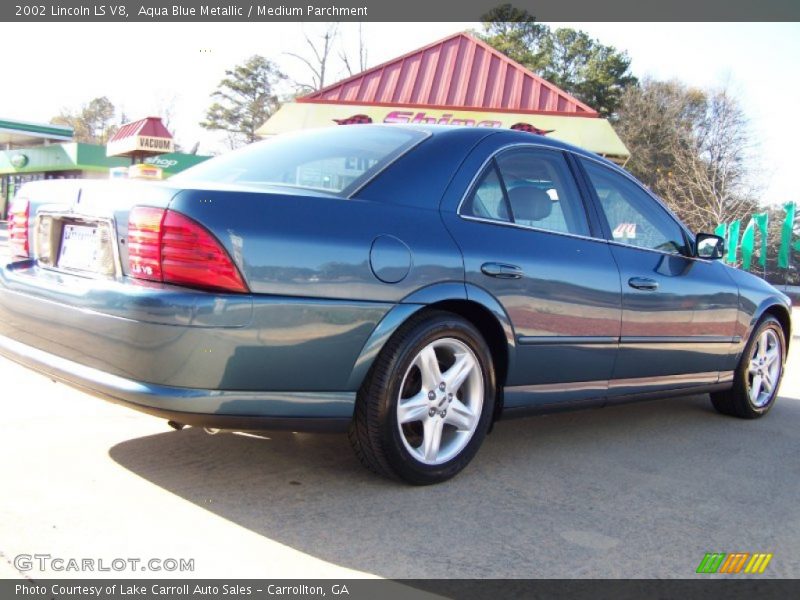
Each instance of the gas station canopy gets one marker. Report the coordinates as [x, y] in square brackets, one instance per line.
[15, 134]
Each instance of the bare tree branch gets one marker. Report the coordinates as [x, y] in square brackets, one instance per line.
[320, 51]
[362, 54]
[691, 147]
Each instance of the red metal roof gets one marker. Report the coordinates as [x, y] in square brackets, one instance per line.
[149, 126]
[459, 71]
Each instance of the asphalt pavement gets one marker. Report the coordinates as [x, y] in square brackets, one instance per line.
[642, 490]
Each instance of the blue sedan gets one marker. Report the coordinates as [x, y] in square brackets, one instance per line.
[409, 285]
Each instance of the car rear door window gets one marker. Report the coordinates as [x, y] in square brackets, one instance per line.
[488, 201]
[633, 216]
[532, 188]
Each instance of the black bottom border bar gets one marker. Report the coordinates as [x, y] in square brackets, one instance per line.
[709, 587]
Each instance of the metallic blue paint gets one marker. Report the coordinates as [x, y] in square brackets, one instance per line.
[333, 278]
[282, 336]
[319, 247]
[438, 292]
[482, 297]
[380, 335]
[695, 299]
[181, 399]
[136, 300]
[390, 259]
[569, 285]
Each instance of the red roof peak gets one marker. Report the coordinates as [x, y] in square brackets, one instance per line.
[149, 126]
[457, 72]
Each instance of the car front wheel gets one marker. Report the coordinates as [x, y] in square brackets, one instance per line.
[756, 380]
[427, 402]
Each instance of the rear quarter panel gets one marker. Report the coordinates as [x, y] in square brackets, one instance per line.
[321, 247]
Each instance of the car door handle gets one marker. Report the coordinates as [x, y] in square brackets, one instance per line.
[501, 271]
[643, 283]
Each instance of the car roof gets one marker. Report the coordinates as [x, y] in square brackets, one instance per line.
[466, 133]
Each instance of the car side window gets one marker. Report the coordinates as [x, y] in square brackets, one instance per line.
[529, 187]
[488, 200]
[633, 216]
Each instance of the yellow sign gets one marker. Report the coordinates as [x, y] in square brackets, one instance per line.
[591, 133]
[145, 171]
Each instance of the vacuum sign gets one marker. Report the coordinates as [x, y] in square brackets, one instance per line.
[141, 143]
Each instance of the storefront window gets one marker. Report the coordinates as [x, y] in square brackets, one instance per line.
[9, 184]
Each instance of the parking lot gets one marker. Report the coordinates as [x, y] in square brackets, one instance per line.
[641, 490]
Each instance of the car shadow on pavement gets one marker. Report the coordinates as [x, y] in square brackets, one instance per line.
[637, 490]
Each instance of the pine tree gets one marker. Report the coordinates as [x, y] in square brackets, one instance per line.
[245, 99]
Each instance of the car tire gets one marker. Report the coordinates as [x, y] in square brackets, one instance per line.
[427, 402]
[758, 375]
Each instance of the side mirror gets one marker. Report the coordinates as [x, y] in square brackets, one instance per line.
[709, 246]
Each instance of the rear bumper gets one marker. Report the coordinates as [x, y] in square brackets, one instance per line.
[296, 411]
[200, 358]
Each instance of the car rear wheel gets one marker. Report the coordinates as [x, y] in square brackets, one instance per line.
[427, 402]
[758, 375]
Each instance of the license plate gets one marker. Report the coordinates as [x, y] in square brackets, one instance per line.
[81, 248]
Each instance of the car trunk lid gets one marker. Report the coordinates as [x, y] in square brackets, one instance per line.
[80, 226]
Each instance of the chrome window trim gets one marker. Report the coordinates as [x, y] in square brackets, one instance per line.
[684, 256]
[655, 250]
[493, 156]
[536, 229]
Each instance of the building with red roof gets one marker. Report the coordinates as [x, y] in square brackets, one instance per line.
[460, 80]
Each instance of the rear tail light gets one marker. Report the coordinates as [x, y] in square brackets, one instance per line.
[18, 231]
[144, 242]
[164, 245]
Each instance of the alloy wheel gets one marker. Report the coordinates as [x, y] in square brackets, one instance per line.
[764, 370]
[440, 401]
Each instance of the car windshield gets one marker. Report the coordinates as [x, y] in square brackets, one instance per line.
[335, 159]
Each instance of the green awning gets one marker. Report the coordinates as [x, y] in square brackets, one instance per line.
[83, 157]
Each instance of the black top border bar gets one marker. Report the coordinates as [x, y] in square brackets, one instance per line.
[384, 10]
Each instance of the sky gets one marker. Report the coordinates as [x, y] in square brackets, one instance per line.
[146, 68]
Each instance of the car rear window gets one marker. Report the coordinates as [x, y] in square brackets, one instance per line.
[337, 160]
